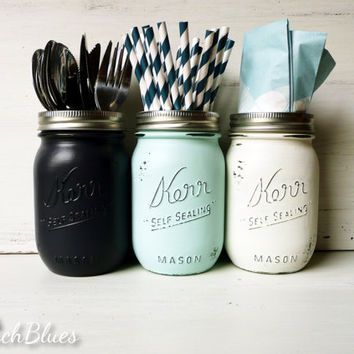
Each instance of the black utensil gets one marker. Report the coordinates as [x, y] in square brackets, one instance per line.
[36, 66]
[73, 97]
[93, 65]
[56, 74]
[44, 77]
[86, 94]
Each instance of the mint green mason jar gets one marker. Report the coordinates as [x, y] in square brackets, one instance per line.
[178, 186]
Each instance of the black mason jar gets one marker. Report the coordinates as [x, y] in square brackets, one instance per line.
[82, 192]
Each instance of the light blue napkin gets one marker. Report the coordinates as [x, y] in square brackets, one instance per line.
[281, 69]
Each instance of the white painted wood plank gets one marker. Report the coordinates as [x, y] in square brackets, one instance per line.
[27, 25]
[338, 225]
[225, 310]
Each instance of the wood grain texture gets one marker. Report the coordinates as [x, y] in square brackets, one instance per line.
[27, 24]
[226, 310]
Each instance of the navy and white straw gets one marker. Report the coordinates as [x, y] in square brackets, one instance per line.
[167, 60]
[138, 74]
[195, 55]
[186, 65]
[210, 76]
[145, 68]
[225, 59]
[179, 74]
[158, 70]
[188, 82]
[203, 68]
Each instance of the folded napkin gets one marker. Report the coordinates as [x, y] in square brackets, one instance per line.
[281, 69]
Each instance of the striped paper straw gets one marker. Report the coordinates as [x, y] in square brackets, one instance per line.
[185, 65]
[202, 72]
[180, 80]
[179, 74]
[145, 44]
[145, 68]
[210, 75]
[224, 33]
[167, 60]
[138, 74]
[178, 59]
[158, 70]
[195, 55]
[225, 59]
[161, 56]
[143, 38]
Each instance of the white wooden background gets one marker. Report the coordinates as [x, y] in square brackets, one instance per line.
[26, 25]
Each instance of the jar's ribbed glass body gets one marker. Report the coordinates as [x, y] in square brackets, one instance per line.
[272, 201]
[82, 201]
[178, 201]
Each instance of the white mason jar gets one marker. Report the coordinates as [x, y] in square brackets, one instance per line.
[272, 192]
